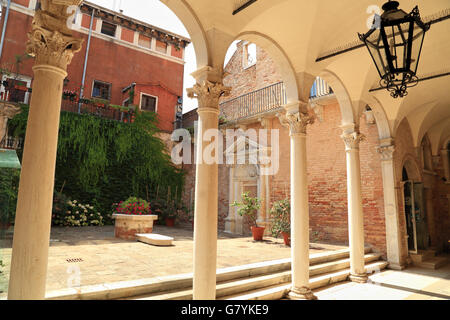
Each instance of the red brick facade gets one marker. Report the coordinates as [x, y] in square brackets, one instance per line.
[118, 62]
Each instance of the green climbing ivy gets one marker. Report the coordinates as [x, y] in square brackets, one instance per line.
[108, 161]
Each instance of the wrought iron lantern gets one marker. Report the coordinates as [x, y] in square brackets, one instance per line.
[395, 44]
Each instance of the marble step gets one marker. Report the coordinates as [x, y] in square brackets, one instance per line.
[240, 285]
[278, 292]
[432, 263]
[422, 255]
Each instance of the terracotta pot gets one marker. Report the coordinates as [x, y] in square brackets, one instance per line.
[287, 238]
[258, 233]
[170, 222]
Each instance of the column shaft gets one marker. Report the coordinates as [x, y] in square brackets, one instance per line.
[206, 208]
[53, 47]
[206, 192]
[355, 209]
[299, 213]
[297, 123]
[35, 198]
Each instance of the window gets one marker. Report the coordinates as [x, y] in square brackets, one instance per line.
[249, 55]
[144, 41]
[161, 46]
[109, 29]
[101, 90]
[148, 103]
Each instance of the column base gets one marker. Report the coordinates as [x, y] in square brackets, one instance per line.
[302, 293]
[396, 266]
[359, 278]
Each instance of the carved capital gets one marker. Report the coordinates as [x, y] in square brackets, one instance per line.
[296, 122]
[386, 152]
[208, 94]
[8, 110]
[50, 39]
[352, 140]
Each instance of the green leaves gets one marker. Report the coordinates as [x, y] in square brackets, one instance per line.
[280, 213]
[248, 207]
[108, 160]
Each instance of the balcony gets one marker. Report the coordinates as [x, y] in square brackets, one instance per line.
[99, 109]
[254, 103]
[265, 100]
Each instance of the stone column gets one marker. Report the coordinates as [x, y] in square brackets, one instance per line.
[446, 164]
[206, 192]
[352, 139]
[391, 213]
[53, 48]
[7, 111]
[297, 122]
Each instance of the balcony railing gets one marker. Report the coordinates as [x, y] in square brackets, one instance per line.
[13, 143]
[265, 100]
[253, 103]
[100, 110]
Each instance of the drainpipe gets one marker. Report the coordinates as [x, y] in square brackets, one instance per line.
[86, 60]
[4, 27]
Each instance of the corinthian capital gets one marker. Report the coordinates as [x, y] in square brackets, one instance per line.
[9, 110]
[386, 152]
[352, 140]
[208, 94]
[50, 39]
[297, 122]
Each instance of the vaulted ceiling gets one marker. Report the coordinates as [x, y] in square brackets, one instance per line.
[298, 32]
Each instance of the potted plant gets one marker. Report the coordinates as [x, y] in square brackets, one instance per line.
[131, 217]
[249, 208]
[280, 214]
[170, 213]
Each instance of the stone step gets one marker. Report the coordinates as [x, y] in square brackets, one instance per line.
[422, 255]
[238, 285]
[278, 292]
[432, 263]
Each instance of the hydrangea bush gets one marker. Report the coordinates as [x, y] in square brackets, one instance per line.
[77, 215]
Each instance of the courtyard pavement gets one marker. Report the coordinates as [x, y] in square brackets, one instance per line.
[410, 284]
[93, 254]
[97, 257]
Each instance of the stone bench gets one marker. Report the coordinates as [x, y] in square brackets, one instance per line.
[154, 239]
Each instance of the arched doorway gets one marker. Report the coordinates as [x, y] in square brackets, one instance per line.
[414, 209]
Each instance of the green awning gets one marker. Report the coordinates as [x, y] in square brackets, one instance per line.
[8, 159]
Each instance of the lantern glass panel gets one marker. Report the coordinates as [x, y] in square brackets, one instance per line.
[416, 48]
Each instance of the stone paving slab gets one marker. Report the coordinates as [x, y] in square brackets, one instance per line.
[105, 259]
[412, 283]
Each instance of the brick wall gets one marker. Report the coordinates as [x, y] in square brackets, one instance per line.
[108, 62]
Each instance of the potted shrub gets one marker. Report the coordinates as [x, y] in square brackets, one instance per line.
[249, 208]
[133, 216]
[280, 214]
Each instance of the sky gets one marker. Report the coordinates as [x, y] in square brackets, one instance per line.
[156, 13]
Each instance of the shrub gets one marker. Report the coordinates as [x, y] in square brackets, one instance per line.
[134, 206]
[248, 208]
[280, 213]
[70, 213]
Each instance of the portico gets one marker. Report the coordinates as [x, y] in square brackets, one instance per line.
[296, 34]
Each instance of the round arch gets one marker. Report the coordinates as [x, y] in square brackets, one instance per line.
[280, 58]
[412, 168]
[342, 96]
[196, 32]
[384, 130]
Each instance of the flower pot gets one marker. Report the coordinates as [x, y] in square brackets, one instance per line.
[170, 222]
[258, 233]
[126, 225]
[287, 238]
